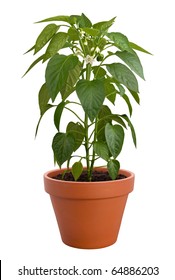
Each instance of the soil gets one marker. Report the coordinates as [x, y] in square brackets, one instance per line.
[97, 176]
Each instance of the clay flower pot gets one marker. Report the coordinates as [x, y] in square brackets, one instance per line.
[89, 214]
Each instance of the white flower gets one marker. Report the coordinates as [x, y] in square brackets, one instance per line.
[89, 59]
[97, 49]
[85, 43]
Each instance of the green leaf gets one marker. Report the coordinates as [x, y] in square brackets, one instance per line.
[105, 116]
[114, 137]
[78, 132]
[67, 45]
[120, 40]
[99, 72]
[121, 89]
[133, 61]
[103, 119]
[110, 91]
[91, 31]
[117, 119]
[104, 112]
[77, 169]
[72, 78]
[74, 19]
[91, 95]
[124, 75]
[63, 147]
[126, 98]
[104, 25]
[113, 168]
[84, 21]
[57, 72]
[135, 96]
[33, 64]
[43, 99]
[45, 35]
[57, 42]
[138, 48]
[56, 18]
[31, 49]
[101, 149]
[73, 34]
[101, 43]
[58, 113]
[125, 117]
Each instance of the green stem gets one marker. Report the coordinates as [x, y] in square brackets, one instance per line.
[86, 125]
[91, 124]
[93, 155]
[73, 102]
[74, 114]
[87, 143]
[88, 75]
[91, 135]
[88, 71]
[82, 46]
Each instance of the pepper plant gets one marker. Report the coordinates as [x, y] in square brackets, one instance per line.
[79, 72]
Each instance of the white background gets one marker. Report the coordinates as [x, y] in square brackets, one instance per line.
[28, 230]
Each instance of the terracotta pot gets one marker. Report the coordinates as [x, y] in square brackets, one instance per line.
[89, 214]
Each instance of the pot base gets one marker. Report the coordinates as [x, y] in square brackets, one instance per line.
[101, 246]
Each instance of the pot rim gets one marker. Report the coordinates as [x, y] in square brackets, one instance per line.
[88, 190]
[49, 174]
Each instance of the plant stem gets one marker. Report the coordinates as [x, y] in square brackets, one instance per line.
[88, 75]
[74, 114]
[88, 71]
[87, 144]
[93, 154]
[91, 135]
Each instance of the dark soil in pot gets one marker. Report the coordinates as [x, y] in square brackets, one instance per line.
[97, 176]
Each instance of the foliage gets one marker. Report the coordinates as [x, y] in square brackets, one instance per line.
[78, 55]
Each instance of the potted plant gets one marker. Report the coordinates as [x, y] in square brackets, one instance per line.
[88, 68]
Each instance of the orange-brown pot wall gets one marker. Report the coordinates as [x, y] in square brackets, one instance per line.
[89, 214]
